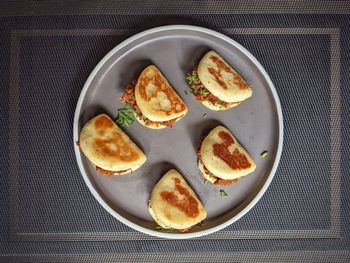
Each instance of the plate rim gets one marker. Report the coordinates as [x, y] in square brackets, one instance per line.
[76, 132]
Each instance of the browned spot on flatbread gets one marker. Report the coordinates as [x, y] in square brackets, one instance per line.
[237, 79]
[225, 182]
[219, 79]
[187, 203]
[103, 123]
[161, 85]
[235, 160]
[226, 138]
[116, 147]
[167, 215]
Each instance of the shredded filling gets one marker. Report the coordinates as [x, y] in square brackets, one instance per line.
[129, 97]
[184, 230]
[201, 93]
[111, 173]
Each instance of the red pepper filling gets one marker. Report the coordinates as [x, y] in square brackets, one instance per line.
[110, 173]
[202, 93]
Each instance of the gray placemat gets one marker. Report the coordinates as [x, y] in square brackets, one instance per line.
[45, 61]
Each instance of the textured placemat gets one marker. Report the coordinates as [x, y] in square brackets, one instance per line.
[45, 60]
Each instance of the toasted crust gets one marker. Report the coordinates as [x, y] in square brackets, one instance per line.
[108, 147]
[187, 210]
[156, 99]
[152, 125]
[214, 107]
[225, 158]
[221, 79]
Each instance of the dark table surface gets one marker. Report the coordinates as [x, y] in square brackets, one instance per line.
[48, 50]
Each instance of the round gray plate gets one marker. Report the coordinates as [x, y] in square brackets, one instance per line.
[256, 123]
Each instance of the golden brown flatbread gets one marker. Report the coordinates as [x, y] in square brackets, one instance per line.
[108, 147]
[155, 97]
[223, 156]
[222, 80]
[173, 203]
